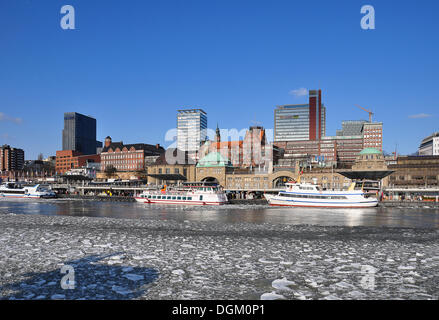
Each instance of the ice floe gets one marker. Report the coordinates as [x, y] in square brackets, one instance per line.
[272, 296]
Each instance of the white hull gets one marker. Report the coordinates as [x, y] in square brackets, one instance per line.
[180, 202]
[200, 194]
[295, 203]
[307, 195]
[21, 196]
[14, 191]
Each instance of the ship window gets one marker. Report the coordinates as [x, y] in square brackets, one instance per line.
[201, 197]
[189, 198]
[13, 191]
[173, 198]
[184, 198]
[169, 197]
[178, 198]
[153, 197]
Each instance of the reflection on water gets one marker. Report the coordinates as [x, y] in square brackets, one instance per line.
[389, 217]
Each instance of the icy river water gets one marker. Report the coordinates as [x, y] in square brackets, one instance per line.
[121, 250]
[370, 217]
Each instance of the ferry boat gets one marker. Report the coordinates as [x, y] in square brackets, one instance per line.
[310, 195]
[16, 190]
[190, 193]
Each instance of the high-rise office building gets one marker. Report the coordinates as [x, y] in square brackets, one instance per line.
[191, 129]
[430, 145]
[11, 158]
[301, 122]
[79, 133]
[373, 135]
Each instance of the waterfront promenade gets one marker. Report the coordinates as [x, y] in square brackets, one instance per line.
[168, 259]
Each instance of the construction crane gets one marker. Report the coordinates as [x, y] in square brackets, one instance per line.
[368, 111]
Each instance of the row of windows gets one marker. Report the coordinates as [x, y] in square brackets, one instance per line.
[120, 167]
[107, 162]
[247, 185]
[309, 196]
[168, 170]
[413, 177]
[246, 179]
[372, 135]
[169, 197]
[13, 191]
[122, 156]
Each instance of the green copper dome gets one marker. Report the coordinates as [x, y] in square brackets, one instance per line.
[370, 151]
[213, 159]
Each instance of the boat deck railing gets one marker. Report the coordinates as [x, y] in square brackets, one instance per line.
[181, 192]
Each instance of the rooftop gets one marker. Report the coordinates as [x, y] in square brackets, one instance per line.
[213, 159]
[370, 151]
[191, 111]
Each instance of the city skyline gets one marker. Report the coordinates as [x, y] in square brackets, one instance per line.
[236, 70]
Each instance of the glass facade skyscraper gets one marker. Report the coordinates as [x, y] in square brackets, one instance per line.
[291, 122]
[79, 133]
[191, 129]
[301, 122]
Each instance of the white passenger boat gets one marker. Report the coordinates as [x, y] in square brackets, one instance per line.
[310, 195]
[16, 190]
[190, 193]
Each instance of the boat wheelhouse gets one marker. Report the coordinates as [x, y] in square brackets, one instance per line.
[189, 193]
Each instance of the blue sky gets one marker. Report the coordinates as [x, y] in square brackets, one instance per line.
[132, 64]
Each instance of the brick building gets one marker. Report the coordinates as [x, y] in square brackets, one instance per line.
[69, 159]
[373, 135]
[340, 150]
[127, 157]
